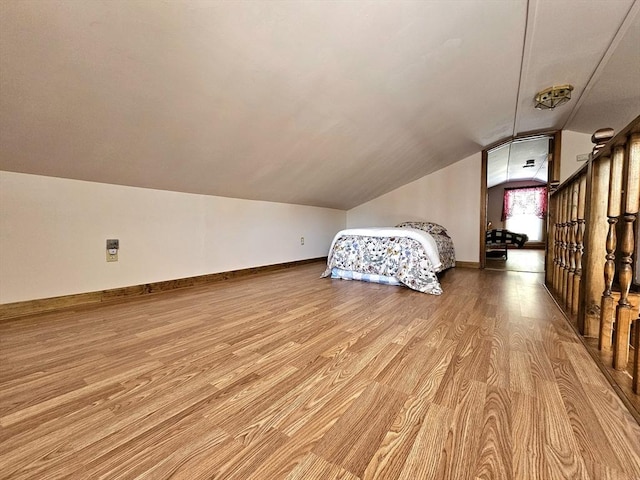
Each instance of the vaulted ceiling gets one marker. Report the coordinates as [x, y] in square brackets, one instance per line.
[310, 102]
[522, 159]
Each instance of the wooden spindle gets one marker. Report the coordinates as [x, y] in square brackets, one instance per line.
[565, 245]
[594, 246]
[627, 246]
[560, 227]
[577, 278]
[573, 223]
[558, 249]
[607, 307]
[551, 243]
[635, 382]
[560, 246]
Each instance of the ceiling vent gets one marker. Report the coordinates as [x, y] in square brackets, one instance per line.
[529, 163]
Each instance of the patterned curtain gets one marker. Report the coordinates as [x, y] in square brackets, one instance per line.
[524, 201]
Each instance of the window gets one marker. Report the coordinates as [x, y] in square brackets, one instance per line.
[524, 210]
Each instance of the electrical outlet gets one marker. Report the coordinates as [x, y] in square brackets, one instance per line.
[113, 244]
[301, 240]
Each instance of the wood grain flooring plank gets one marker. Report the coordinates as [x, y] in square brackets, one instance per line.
[463, 443]
[434, 372]
[437, 331]
[85, 392]
[527, 440]
[520, 378]
[319, 414]
[287, 374]
[561, 448]
[390, 458]
[255, 363]
[271, 416]
[355, 437]
[495, 458]
[123, 438]
[622, 432]
[589, 434]
[552, 343]
[541, 367]
[265, 411]
[316, 467]
[499, 358]
[284, 459]
[406, 369]
[584, 366]
[186, 449]
[429, 447]
[470, 361]
[132, 428]
[204, 464]
[253, 391]
[250, 459]
[29, 449]
[156, 450]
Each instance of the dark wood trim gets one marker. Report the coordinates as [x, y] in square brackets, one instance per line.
[531, 246]
[553, 172]
[619, 139]
[468, 264]
[484, 199]
[535, 133]
[14, 310]
[556, 159]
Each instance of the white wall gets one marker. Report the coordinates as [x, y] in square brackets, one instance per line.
[573, 144]
[53, 233]
[450, 197]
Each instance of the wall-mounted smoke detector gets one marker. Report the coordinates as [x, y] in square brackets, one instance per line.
[551, 97]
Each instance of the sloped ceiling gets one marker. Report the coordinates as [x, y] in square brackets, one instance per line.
[525, 159]
[317, 103]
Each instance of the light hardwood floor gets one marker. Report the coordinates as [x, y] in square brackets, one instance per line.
[525, 260]
[286, 375]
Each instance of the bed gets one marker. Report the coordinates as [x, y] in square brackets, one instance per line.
[499, 239]
[409, 254]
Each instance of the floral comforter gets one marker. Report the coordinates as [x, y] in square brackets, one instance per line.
[406, 254]
[445, 250]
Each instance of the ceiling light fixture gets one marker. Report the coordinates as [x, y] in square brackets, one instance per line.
[551, 97]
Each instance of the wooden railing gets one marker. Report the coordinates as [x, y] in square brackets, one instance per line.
[623, 206]
[591, 245]
[567, 222]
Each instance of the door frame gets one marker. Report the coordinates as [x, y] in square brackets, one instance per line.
[553, 179]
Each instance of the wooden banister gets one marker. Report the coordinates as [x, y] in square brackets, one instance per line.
[577, 279]
[613, 212]
[627, 247]
[593, 251]
[594, 244]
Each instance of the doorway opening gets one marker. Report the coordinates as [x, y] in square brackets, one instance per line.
[516, 175]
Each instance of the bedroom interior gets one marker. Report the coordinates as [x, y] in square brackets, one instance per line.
[235, 151]
[516, 218]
